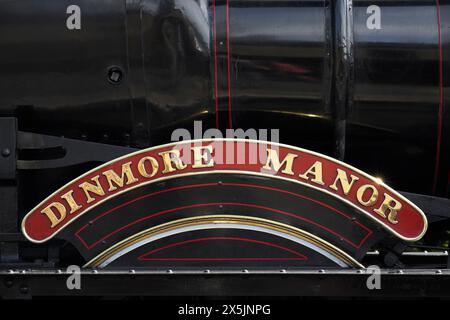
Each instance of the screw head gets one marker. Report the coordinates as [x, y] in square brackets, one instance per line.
[115, 75]
[6, 152]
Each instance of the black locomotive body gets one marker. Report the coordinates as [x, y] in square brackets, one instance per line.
[363, 81]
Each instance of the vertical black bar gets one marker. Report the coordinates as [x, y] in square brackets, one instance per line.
[8, 187]
[136, 73]
[443, 183]
[8, 129]
[343, 50]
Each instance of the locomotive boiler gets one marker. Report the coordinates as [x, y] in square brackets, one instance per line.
[364, 82]
[357, 82]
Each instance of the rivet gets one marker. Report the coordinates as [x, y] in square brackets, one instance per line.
[115, 75]
[6, 152]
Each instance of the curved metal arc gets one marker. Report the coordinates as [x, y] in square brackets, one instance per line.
[224, 221]
[230, 172]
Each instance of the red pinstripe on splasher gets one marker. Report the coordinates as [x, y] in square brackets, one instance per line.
[369, 231]
[224, 259]
[200, 205]
[441, 97]
[146, 196]
[230, 119]
[77, 233]
[216, 67]
[144, 257]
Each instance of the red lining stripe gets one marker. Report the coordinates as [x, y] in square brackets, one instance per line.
[144, 256]
[224, 259]
[303, 197]
[199, 205]
[147, 196]
[216, 67]
[77, 233]
[441, 98]
[230, 119]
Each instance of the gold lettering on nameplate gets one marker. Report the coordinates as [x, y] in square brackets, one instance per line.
[273, 162]
[362, 193]
[56, 213]
[316, 171]
[89, 188]
[143, 170]
[74, 206]
[115, 181]
[203, 157]
[172, 157]
[342, 178]
[389, 207]
[343, 183]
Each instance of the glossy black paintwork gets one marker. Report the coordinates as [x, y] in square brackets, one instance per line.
[379, 111]
[396, 92]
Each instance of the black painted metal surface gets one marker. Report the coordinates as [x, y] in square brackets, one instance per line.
[426, 283]
[322, 71]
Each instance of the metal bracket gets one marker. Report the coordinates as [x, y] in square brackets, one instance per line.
[58, 152]
[434, 207]
[8, 187]
[8, 136]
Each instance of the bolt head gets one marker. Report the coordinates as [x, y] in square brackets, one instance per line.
[6, 152]
[115, 75]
